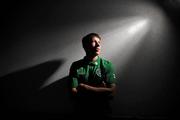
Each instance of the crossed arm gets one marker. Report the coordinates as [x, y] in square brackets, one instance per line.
[103, 89]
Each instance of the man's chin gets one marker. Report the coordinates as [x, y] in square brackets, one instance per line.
[97, 53]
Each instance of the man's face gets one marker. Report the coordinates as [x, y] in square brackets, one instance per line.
[94, 47]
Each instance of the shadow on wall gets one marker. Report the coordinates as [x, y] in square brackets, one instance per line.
[54, 100]
[20, 91]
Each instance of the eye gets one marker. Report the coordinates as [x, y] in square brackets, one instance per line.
[98, 42]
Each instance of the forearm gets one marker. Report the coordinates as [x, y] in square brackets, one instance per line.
[104, 90]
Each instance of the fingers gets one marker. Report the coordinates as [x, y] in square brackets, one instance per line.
[82, 85]
[103, 84]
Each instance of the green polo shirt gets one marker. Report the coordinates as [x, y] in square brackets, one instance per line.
[92, 73]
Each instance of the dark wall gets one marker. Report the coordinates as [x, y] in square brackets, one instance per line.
[40, 37]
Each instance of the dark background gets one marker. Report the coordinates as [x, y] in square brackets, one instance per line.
[34, 45]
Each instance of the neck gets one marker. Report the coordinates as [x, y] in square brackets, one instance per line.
[92, 58]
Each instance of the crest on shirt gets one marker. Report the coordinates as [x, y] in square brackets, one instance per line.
[98, 72]
[114, 76]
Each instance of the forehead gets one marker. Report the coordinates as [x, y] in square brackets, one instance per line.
[95, 38]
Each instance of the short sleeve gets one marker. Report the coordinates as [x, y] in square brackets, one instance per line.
[110, 73]
[73, 76]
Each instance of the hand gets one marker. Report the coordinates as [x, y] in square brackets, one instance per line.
[82, 86]
[103, 84]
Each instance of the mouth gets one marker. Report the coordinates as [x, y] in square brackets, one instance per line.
[98, 49]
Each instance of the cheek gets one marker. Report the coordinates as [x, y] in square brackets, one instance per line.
[93, 44]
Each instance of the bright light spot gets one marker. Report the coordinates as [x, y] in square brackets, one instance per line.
[138, 26]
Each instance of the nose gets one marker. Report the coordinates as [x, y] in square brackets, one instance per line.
[97, 44]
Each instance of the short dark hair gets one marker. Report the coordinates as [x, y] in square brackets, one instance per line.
[87, 39]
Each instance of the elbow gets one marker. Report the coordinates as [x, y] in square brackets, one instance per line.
[112, 92]
[74, 91]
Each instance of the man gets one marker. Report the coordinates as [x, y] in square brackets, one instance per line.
[92, 78]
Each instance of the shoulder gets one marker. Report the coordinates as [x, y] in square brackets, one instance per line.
[77, 64]
[106, 62]
[107, 65]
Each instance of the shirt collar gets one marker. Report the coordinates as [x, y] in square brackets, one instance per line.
[96, 62]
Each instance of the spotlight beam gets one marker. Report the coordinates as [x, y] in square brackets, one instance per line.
[122, 43]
